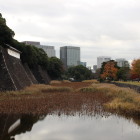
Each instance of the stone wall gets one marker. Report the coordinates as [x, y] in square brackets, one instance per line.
[15, 76]
[6, 82]
[14, 71]
[30, 74]
[41, 75]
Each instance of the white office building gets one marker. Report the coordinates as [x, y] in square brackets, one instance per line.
[102, 59]
[50, 50]
[121, 62]
[70, 56]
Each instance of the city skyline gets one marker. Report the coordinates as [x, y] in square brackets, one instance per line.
[70, 56]
[98, 64]
[99, 28]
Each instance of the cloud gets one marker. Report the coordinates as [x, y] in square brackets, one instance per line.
[98, 27]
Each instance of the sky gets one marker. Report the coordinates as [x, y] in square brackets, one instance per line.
[98, 27]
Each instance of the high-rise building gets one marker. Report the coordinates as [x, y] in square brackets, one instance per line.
[48, 49]
[83, 64]
[102, 59]
[94, 68]
[70, 56]
[121, 62]
[31, 43]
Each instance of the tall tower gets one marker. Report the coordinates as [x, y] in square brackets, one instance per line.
[70, 56]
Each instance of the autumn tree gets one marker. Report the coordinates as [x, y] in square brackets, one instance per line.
[135, 69]
[109, 70]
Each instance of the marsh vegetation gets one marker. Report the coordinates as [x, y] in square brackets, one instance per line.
[64, 95]
[64, 102]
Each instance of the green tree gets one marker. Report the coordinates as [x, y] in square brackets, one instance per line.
[123, 73]
[79, 73]
[31, 55]
[55, 68]
[135, 69]
[6, 34]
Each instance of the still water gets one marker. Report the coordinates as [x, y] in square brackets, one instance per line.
[76, 127]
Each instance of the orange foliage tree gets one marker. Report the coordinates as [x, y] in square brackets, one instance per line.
[110, 71]
[135, 69]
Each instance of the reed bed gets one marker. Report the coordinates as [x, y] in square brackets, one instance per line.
[130, 82]
[66, 81]
[57, 89]
[59, 98]
[55, 82]
[123, 100]
[92, 81]
[69, 98]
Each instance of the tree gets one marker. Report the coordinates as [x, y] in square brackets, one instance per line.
[6, 34]
[109, 70]
[55, 68]
[135, 69]
[123, 73]
[79, 73]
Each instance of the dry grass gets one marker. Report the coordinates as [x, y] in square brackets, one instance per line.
[71, 96]
[57, 89]
[129, 82]
[66, 81]
[92, 81]
[123, 100]
[60, 98]
[55, 82]
[38, 89]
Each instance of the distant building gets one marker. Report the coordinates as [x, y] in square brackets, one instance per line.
[102, 59]
[83, 64]
[121, 62]
[31, 43]
[94, 68]
[48, 49]
[89, 67]
[70, 56]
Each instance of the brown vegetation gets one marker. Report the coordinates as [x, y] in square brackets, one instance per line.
[70, 98]
[122, 100]
[55, 98]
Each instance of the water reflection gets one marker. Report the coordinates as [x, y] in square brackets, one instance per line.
[73, 126]
[63, 127]
[11, 125]
[72, 119]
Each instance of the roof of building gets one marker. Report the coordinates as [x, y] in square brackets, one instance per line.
[10, 47]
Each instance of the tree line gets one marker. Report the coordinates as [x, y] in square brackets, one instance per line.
[34, 56]
[30, 54]
[110, 71]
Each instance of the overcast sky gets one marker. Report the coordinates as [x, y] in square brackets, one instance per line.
[99, 27]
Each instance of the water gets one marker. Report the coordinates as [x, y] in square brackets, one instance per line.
[73, 127]
[70, 117]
